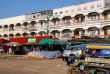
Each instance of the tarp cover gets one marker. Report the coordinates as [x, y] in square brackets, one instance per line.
[44, 54]
[105, 52]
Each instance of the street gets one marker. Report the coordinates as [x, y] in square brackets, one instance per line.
[24, 65]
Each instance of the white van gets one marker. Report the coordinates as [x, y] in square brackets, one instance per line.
[77, 50]
[71, 50]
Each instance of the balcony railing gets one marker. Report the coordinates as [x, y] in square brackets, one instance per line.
[83, 22]
[69, 23]
[5, 29]
[53, 25]
[25, 30]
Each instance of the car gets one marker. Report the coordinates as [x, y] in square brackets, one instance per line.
[68, 51]
[73, 52]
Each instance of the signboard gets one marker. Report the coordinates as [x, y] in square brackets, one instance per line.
[31, 40]
[77, 36]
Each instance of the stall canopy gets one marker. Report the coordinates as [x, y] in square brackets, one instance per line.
[81, 46]
[52, 42]
[12, 44]
[98, 46]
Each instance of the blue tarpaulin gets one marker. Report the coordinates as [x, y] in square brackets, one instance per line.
[45, 54]
[105, 52]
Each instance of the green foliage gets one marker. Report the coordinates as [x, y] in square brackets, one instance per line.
[82, 2]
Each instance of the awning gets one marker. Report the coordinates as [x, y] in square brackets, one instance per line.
[81, 46]
[12, 44]
[52, 42]
[104, 46]
[46, 41]
[58, 42]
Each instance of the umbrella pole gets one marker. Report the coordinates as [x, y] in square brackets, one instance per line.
[51, 47]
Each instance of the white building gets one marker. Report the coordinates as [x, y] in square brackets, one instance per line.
[88, 19]
[34, 24]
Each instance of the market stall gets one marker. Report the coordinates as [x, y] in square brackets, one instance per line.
[49, 48]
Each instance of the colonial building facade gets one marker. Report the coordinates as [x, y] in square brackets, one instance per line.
[88, 19]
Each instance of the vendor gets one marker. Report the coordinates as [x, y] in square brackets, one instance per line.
[94, 51]
[34, 49]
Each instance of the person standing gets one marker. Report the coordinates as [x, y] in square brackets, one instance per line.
[34, 49]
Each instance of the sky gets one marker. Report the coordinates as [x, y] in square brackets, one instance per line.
[12, 8]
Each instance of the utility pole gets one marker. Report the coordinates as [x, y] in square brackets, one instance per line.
[59, 3]
[48, 18]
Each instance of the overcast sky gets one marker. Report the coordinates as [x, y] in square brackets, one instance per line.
[12, 8]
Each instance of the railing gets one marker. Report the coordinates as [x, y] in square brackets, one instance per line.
[83, 22]
[65, 39]
[5, 29]
[77, 23]
[25, 30]
[11, 29]
[66, 23]
[42, 27]
[53, 25]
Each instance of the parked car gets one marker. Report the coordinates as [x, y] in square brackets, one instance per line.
[73, 52]
[68, 51]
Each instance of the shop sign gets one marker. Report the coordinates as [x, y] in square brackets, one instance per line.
[31, 40]
[77, 36]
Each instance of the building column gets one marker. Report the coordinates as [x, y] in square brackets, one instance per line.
[8, 32]
[61, 21]
[102, 33]
[49, 23]
[86, 18]
[101, 16]
[60, 35]
[37, 34]
[72, 33]
[72, 20]
[29, 25]
[21, 26]
[86, 32]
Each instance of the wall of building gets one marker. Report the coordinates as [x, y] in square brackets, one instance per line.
[24, 40]
[12, 20]
[81, 8]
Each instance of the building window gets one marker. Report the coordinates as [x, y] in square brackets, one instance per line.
[92, 6]
[91, 33]
[78, 9]
[84, 8]
[55, 13]
[72, 10]
[61, 12]
[27, 18]
[67, 20]
[99, 5]
[82, 19]
[66, 11]
[93, 17]
[58, 22]
[34, 16]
